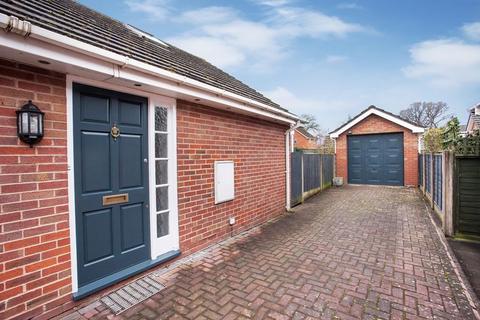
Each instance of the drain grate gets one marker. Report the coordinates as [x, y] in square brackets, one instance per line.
[132, 294]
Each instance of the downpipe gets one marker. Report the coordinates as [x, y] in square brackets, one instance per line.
[288, 149]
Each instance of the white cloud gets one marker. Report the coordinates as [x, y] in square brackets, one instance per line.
[299, 22]
[289, 100]
[314, 103]
[333, 59]
[244, 34]
[448, 62]
[273, 3]
[212, 49]
[207, 15]
[154, 9]
[349, 6]
[472, 30]
[326, 108]
[231, 44]
[223, 37]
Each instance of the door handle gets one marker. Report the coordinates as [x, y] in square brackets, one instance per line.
[115, 199]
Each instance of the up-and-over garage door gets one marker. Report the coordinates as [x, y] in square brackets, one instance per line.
[376, 159]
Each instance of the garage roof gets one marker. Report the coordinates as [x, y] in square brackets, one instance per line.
[381, 113]
[71, 19]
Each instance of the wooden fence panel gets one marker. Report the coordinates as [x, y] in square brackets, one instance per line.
[327, 170]
[467, 217]
[296, 180]
[428, 170]
[311, 172]
[437, 181]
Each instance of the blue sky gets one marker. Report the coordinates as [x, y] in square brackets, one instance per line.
[327, 58]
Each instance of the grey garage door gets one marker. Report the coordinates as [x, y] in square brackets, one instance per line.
[376, 159]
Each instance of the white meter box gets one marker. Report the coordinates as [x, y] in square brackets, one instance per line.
[224, 181]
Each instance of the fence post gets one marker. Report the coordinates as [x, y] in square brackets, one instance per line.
[320, 158]
[424, 187]
[432, 180]
[303, 177]
[448, 176]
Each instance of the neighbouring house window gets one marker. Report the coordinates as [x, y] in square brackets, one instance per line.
[161, 171]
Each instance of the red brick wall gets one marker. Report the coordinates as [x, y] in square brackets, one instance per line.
[258, 151]
[35, 275]
[376, 124]
[34, 233]
[301, 142]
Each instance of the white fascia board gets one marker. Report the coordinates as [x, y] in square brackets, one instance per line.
[126, 63]
[150, 80]
[413, 128]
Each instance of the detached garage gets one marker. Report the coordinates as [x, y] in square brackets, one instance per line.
[379, 148]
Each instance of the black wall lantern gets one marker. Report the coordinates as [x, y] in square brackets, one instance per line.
[30, 124]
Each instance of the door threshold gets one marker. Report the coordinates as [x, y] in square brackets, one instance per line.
[100, 284]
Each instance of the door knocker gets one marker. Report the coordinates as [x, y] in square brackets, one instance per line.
[115, 132]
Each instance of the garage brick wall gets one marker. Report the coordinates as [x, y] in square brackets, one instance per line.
[258, 151]
[34, 232]
[375, 124]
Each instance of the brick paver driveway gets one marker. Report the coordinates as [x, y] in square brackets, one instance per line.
[348, 253]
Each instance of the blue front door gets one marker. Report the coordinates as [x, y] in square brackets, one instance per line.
[375, 159]
[111, 182]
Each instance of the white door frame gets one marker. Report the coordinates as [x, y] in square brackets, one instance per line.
[158, 246]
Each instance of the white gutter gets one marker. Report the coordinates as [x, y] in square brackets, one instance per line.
[125, 62]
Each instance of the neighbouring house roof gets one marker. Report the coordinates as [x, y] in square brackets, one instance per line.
[71, 19]
[381, 113]
[473, 118]
[305, 133]
[476, 119]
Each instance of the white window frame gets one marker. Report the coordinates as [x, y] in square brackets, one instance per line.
[157, 246]
[170, 241]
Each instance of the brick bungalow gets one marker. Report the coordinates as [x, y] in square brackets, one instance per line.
[304, 139]
[377, 147]
[147, 151]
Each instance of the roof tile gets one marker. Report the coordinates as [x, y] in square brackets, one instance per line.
[79, 22]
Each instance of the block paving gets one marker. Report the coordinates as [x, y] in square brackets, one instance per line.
[347, 253]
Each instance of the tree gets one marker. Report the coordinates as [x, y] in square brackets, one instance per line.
[327, 146]
[452, 140]
[426, 114]
[310, 122]
[433, 140]
[451, 134]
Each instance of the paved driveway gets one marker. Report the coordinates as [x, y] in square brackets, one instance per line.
[349, 253]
